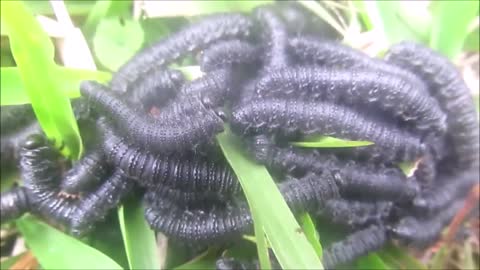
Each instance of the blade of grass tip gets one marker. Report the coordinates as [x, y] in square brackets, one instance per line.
[139, 239]
[450, 25]
[262, 246]
[56, 250]
[28, 41]
[285, 236]
[371, 261]
[330, 142]
[311, 233]
[13, 92]
[317, 8]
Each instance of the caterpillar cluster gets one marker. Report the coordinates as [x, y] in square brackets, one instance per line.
[274, 79]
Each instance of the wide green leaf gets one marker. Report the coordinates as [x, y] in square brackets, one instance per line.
[450, 25]
[139, 239]
[52, 107]
[371, 261]
[56, 250]
[195, 8]
[13, 91]
[116, 41]
[286, 237]
[311, 233]
[330, 142]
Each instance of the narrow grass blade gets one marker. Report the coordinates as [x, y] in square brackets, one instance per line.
[13, 91]
[408, 167]
[330, 142]
[205, 260]
[311, 233]
[450, 25]
[139, 239]
[371, 261]
[28, 41]
[195, 8]
[283, 232]
[262, 245]
[7, 263]
[56, 250]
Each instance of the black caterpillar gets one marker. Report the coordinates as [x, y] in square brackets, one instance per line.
[396, 95]
[447, 86]
[14, 203]
[422, 232]
[212, 29]
[357, 213]
[152, 132]
[85, 174]
[355, 245]
[227, 54]
[290, 117]
[188, 172]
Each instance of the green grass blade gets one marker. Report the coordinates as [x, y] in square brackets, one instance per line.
[28, 41]
[195, 8]
[311, 233]
[371, 261]
[7, 263]
[56, 250]
[13, 92]
[139, 239]
[262, 245]
[205, 260]
[450, 25]
[330, 142]
[287, 239]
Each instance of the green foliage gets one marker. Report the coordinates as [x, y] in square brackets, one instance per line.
[139, 239]
[311, 233]
[371, 261]
[283, 232]
[29, 41]
[13, 91]
[450, 25]
[56, 250]
[115, 41]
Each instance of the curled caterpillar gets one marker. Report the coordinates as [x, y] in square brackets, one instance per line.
[195, 37]
[290, 117]
[357, 213]
[188, 172]
[189, 199]
[151, 132]
[355, 245]
[40, 171]
[155, 88]
[228, 53]
[85, 174]
[422, 232]
[393, 94]
[274, 38]
[448, 188]
[13, 204]
[96, 204]
[447, 86]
